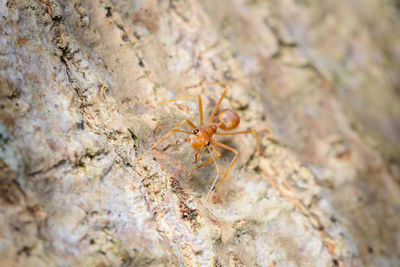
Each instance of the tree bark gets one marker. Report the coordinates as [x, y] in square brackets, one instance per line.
[80, 186]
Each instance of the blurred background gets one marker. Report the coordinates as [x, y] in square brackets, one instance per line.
[79, 185]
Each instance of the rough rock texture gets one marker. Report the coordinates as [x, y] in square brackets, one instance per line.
[79, 185]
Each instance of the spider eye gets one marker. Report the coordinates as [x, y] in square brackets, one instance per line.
[208, 144]
[196, 131]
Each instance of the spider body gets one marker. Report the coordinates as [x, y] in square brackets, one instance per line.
[202, 137]
[228, 119]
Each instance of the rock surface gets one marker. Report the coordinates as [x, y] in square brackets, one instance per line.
[80, 186]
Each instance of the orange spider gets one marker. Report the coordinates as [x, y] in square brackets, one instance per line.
[201, 137]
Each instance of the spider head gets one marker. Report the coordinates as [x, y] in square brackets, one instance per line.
[199, 139]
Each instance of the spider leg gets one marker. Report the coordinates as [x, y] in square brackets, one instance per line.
[185, 97]
[219, 101]
[174, 130]
[196, 157]
[233, 161]
[245, 132]
[180, 131]
[182, 140]
[206, 162]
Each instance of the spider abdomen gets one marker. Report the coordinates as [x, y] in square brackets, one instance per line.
[228, 119]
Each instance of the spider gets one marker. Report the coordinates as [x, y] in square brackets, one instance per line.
[202, 137]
